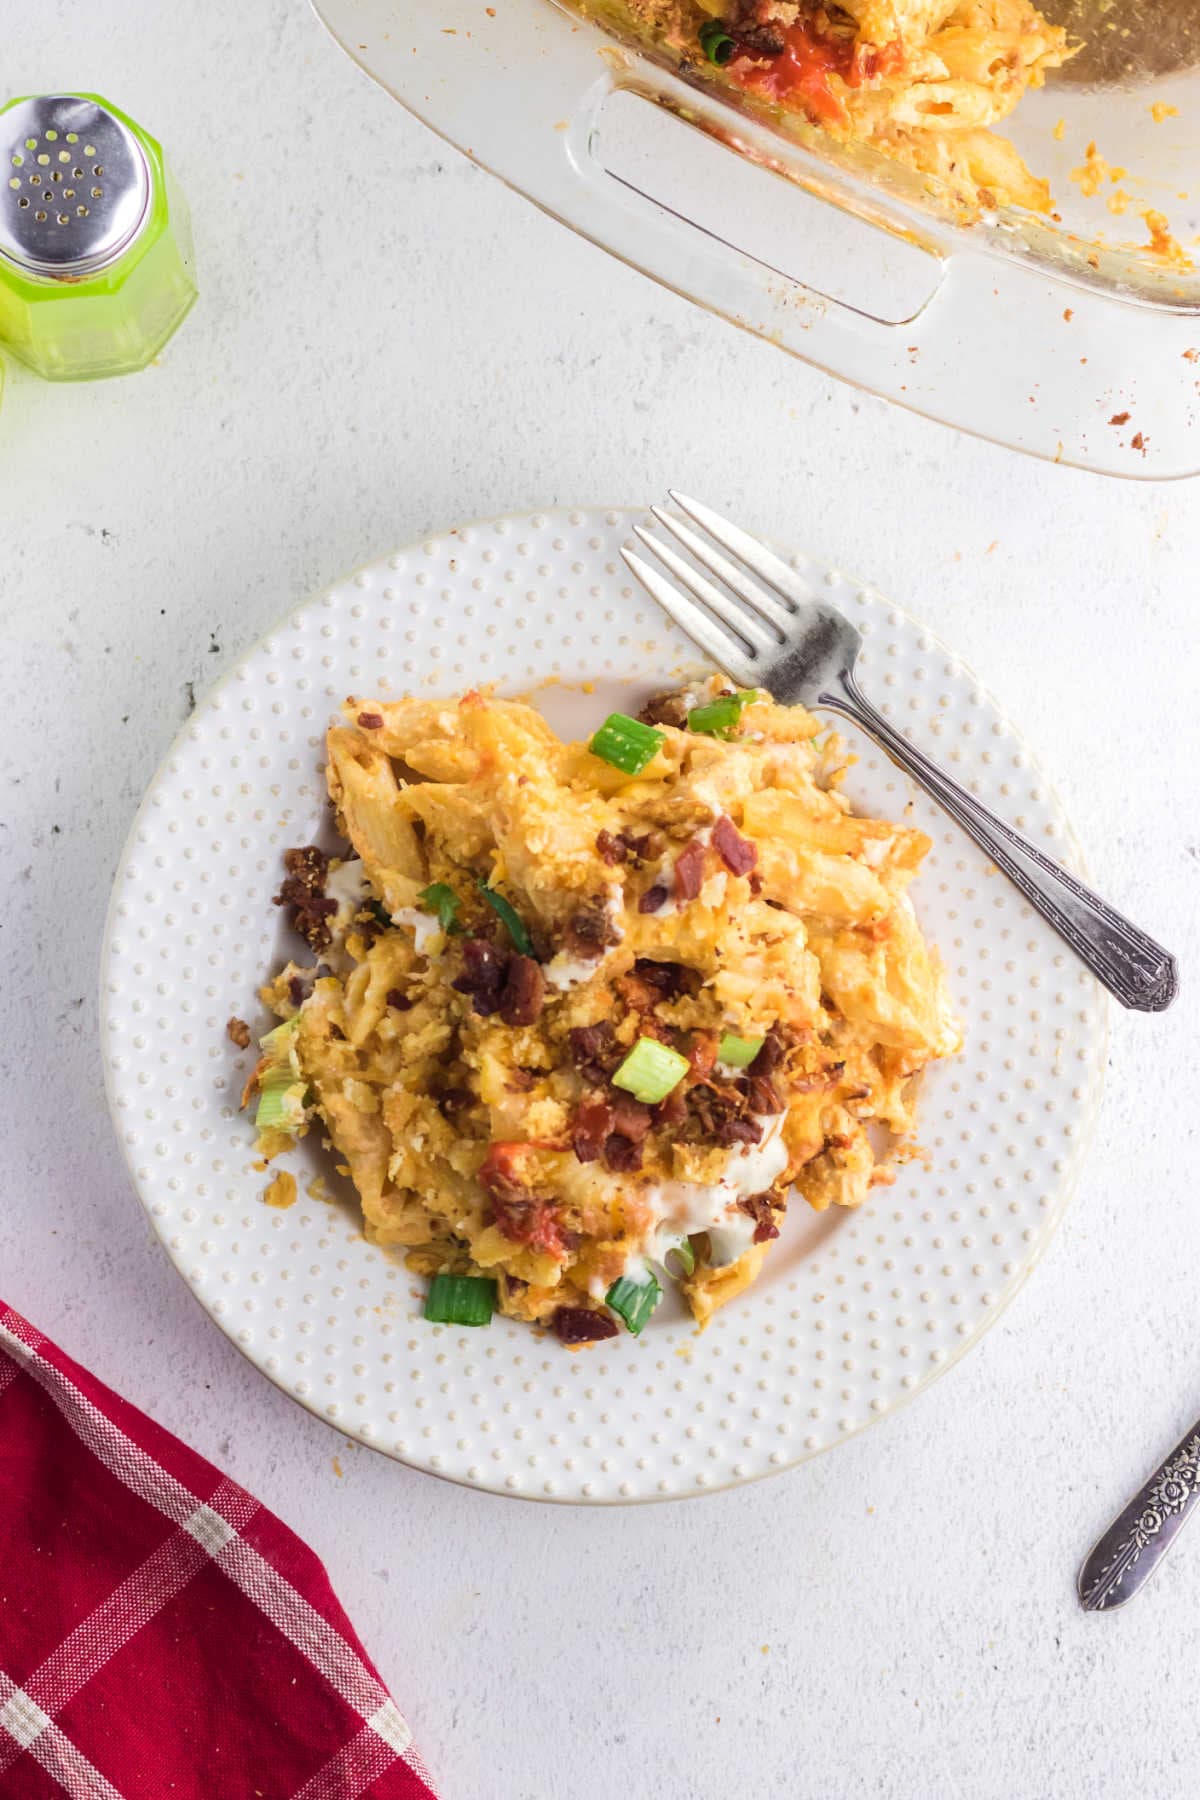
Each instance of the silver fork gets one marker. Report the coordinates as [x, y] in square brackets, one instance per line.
[803, 650]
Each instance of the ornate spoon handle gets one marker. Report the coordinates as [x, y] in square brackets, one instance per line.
[1138, 1538]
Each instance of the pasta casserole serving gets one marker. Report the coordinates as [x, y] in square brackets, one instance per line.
[920, 81]
[576, 1016]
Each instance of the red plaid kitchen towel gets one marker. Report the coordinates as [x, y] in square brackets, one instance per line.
[162, 1635]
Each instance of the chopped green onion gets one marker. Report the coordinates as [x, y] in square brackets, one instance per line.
[626, 743]
[716, 42]
[509, 916]
[682, 1248]
[460, 1300]
[280, 1100]
[443, 901]
[278, 1043]
[633, 1299]
[650, 1071]
[381, 914]
[720, 717]
[738, 1052]
[281, 1087]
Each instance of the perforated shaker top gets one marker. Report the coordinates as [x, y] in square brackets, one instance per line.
[77, 189]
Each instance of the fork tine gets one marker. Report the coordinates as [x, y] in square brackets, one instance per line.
[694, 622]
[754, 635]
[770, 568]
[761, 602]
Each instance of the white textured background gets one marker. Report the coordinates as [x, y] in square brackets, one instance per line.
[387, 342]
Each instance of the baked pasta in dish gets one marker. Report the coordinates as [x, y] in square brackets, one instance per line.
[922, 81]
[577, 1015]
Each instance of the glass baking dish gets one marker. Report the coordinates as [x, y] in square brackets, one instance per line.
[1065, 337]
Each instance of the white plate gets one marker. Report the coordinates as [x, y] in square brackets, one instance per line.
[855, 1312]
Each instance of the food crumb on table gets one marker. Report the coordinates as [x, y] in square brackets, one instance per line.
[282, 1191]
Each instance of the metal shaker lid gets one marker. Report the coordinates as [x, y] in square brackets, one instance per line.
[74, 187]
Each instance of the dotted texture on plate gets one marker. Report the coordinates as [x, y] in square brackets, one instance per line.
[855, 1312]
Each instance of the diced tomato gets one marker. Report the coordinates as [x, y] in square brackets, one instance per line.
[533, 1223]
[521, 1215]
[802, 73]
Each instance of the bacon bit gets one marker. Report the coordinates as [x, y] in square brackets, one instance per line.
[673, 1110]
[632, 1118]
[484, 968]
[762, 43]
[703, 1054]
[238, 1032]
[1119, 419]
[371, 721]
[591, 930]
[665, 709]
[654, 899]
[593, 1050]
[580, 1325]
[454, 1100]
[737, 853]
[1138, 442]
[670, 979]
[610, 849]
[719, 1113]
[523, 993]
[400, 1001]
[621, 1154]
[303, 892]
[689, 870]
[590, 1128]
[761, 1095]
[758, 1207]
[637, 994]
[647, 848]
[774, 1049]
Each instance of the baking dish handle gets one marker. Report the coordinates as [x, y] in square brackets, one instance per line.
[995, 349]
[1002, 348]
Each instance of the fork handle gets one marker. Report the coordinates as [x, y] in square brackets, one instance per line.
[1140, 973]
[1142, 1533]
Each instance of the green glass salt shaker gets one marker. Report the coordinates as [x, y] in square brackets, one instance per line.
[95, 241]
